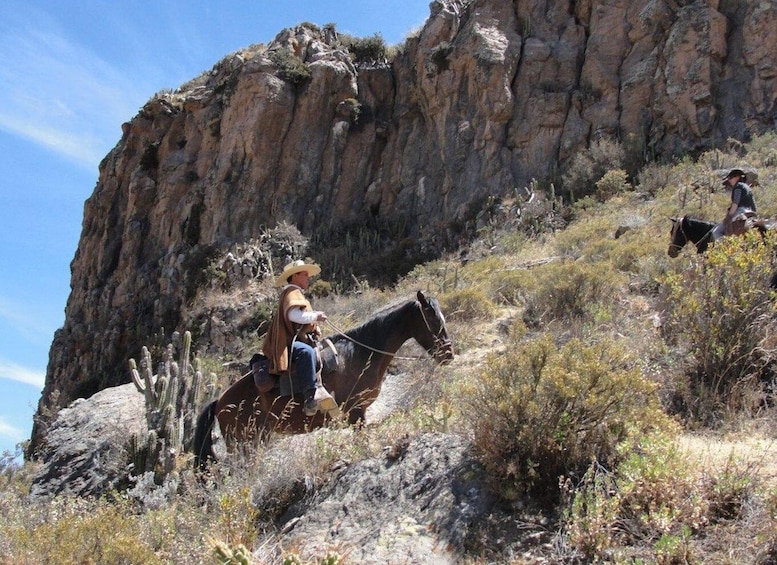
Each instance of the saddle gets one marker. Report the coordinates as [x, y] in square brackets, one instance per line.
[287, 384]
[740, 223]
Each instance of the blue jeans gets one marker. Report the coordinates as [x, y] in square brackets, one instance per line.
[304, 358]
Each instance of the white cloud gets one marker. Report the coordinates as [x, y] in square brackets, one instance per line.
[11, 432]
[28, 320]
[61, 95]
[12, 371]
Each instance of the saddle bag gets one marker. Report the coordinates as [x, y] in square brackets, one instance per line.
[260, 368]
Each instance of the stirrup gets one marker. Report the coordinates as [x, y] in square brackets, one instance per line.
[326, 402]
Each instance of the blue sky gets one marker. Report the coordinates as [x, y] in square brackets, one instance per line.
[71, 72]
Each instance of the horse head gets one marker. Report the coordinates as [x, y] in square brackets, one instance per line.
[432, 335]
[677, 237]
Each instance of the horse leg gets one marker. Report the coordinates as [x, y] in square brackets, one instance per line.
[202, 443]
[356, 416]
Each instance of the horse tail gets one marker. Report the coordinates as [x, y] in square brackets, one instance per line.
[202, 444]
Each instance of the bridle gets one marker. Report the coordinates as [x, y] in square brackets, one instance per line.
[441, 345]
[696, 244]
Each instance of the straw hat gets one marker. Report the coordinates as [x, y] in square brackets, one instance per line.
[296, 267]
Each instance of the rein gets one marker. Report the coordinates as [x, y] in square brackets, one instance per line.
[696, 244]
[365, 346]
[438, 342]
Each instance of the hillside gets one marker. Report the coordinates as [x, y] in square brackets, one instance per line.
[348, 141]
[694, 487]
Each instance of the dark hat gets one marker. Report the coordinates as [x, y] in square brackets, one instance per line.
[735, 173]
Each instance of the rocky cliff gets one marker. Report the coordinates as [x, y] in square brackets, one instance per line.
[303, 133]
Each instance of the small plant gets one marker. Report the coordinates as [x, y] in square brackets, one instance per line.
[291, 68]
[671, 549]
[226, 555]
[238, 517]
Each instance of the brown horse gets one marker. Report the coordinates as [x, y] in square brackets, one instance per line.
[354, 377]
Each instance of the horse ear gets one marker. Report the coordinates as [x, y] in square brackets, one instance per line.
[421, 298]
[674, 220]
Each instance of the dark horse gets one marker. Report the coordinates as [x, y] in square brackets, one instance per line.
[354, 377]
[686, 230]
[700, 233]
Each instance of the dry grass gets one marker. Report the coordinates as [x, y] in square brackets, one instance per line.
[716, 489]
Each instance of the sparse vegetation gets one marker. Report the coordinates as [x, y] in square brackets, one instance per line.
[291, 68]
[587, 366]
[365, 50]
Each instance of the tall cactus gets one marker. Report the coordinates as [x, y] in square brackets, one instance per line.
[174, 397]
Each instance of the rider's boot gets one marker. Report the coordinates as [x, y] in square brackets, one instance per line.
[311, 404]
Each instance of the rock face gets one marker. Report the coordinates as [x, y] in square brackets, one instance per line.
[417, 506]
[489, 94]
[87, 452]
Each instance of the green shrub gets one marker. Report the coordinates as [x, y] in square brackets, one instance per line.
[589, 166]
[613, 182]
[291, 68]
[538, 413]
[466, 304]
[661, 495]
[320, 288]
[567, 291]
[366, 50]
[720, 308]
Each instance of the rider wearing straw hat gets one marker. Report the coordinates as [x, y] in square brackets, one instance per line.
[291, 329]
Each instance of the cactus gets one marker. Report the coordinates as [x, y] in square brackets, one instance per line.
[225, 555]
[174, 397]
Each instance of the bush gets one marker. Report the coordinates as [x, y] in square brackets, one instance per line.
[590, 165]
[613, 182]
[720, 307]
[366, 50]
[538, 413]
[568, 290]
[466, 304]
[291, 68]
[657, 498]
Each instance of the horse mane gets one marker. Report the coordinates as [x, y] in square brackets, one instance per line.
[698, 222]
[376, 323]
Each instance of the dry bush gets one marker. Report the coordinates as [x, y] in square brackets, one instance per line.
[74, 531]
[538, 412]
[720, 308]
[590, 165]
[466, 304]
[659, 502]
[654, 177]
[569, 291]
